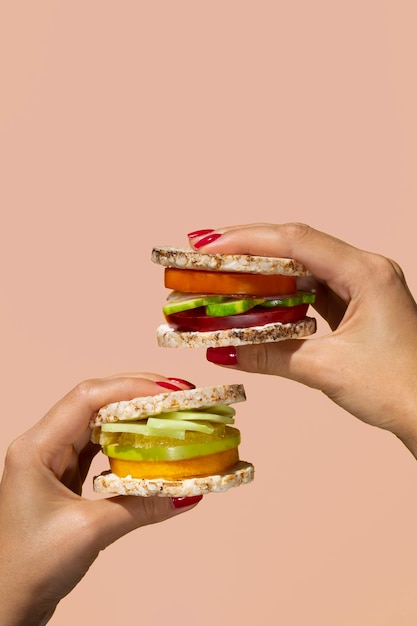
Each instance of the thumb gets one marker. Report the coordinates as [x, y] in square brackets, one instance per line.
[296, 359]
[114, 517]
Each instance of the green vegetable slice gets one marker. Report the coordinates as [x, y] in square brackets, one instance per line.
[231, 306]
[143, 429]
[208, 416]
[174, 453]
[221, 409]
[220, 306]
[300, 297]
[176, 424]
[178, 301]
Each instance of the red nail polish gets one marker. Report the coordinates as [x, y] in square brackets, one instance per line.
[226, 355]
[181, 381]
[180, 503]
[206, 240]
[199, 233]
[169, 386]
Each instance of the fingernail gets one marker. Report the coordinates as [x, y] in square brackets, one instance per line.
[200, 233]
[181, 382]
[206, 240]
[180, 503]
[169, 386]
[226, 355]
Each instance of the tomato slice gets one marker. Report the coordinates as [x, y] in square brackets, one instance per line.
[197, 320]
[228, 283]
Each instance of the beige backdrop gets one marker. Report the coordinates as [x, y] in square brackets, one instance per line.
[129, 124]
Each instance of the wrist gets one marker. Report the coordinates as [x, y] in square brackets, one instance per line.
[405, 428]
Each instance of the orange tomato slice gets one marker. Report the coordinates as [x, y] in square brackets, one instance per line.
[199, 466]
[228, 283]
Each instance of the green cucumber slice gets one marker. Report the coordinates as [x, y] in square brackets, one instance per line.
[199, 415]
[174, 453]
[161, 427]
[300, 297]
[219, 306]
[159, 424]
[221, 409]
[234, 306]
[231, 307]
[173, 424]
[178, 301]
[143, 429]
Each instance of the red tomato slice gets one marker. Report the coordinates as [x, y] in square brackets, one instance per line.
[228, 283]
[197, 320]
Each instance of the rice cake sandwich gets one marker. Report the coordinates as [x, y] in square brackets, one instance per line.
[231, 299]
[176, 444]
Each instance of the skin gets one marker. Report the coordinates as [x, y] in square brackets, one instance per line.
[50, 534]
[367, 362]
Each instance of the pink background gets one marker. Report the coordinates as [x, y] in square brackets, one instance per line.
[127, 124]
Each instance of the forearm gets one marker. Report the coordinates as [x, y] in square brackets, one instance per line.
[25, 597]
[19, 608]
[26, 618]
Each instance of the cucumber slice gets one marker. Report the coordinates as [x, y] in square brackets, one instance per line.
[178, 301]
[159, 424]
[231, 307]
[198, 415]
[177, 306]
[219, 306]
[300, 297]
[143, 429]
[221, 409]
[160, 427]
[173, 424]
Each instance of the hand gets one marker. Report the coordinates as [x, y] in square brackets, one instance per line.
[50, 535]
[368, 363]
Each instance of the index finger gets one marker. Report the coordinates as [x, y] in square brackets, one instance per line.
[330, 259]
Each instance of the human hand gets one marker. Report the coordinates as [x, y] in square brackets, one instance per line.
[50, 535]
[368, 363]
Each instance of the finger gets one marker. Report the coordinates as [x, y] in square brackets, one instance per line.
[150, 376]
[301, 360]
[328, 258]
[86, 457]
[77, 467]
[162, 381]
[114, 517]
[171, 383]
[327, 303]
[68, 421]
